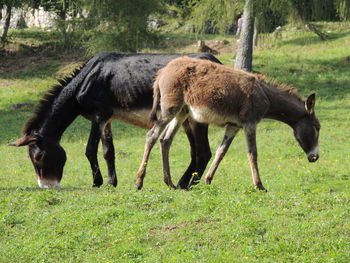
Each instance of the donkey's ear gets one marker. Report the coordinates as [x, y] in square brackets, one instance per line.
[310, 103]
[25, 140]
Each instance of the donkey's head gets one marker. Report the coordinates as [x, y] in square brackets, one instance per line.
[307, 129]
[48, 159]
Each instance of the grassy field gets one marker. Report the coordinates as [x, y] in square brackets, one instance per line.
[305, 216]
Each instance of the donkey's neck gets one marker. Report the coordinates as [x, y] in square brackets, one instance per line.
[284, 106]
[59, 116]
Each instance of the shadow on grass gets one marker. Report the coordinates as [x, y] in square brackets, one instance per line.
[26, 67]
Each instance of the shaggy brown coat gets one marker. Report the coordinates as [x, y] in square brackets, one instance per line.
[220, 95]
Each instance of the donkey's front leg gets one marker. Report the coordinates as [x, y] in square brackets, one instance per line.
[151, 139]
[230, 133]
[108, 153]
[250, 132]
[91, 153]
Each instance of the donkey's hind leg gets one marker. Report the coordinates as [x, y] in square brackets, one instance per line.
[91, 153]
[203, 153]
[250, 132]
[108, 154]
[165, 143]
[197, 134]
[230, 133]
[151, 139]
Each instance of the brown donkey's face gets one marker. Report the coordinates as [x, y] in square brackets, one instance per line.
[48, 159]
[307, 129]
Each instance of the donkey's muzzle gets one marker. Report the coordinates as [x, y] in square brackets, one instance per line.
[313, 158]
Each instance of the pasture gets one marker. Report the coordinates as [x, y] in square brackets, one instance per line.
[304, 216]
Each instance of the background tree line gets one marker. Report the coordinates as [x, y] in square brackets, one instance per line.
[123, 25]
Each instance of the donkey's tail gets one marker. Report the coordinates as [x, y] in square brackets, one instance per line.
[156, 101]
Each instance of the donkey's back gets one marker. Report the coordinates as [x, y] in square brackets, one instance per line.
[214, 94]
[122, 84]
[127, 77]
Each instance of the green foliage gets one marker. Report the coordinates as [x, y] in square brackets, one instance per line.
[111, 40]
[343, 8]
[312, 10]
[269, 14]
[219, 13]
[12, 3]
[120, 25]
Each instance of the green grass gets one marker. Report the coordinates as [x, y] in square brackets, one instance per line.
[303, 218]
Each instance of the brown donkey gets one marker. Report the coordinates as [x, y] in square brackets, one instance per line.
[220, 95]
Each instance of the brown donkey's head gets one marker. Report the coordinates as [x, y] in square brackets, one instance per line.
[48, 159]
[307, 129]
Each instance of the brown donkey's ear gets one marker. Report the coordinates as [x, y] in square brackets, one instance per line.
[310, 103]
[25, 140]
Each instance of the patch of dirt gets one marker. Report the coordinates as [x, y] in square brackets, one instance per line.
[5, 84]
[222, 46]
[18, 106]
[15, 65]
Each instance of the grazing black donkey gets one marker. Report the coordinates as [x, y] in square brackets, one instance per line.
[110, 86]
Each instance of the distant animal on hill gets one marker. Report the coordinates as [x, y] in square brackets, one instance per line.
[234, 99]
[109, 86]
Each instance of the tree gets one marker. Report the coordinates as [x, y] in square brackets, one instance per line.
[219, 13]
[119, 24]
[6, 24]
[343, 9]
[63, 9]
[264, 16]
[9, 4]
[244, 56]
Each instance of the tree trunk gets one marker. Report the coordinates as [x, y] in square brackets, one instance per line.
[62, 24]
[7, 24]
[244, 57]
[256, 33]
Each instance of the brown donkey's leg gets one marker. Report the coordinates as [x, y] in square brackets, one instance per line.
[230, 133]
[250, 132]
[151, 139]
[165, 142]
[108, 153]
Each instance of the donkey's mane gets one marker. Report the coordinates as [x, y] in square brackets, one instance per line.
[284, 88]
[45, 103]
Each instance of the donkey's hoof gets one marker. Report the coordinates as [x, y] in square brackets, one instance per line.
[182, 185]
[139, 184]
[113, 183]
[260, 187]
[172, 186]
[96, 185]
[208, 180]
